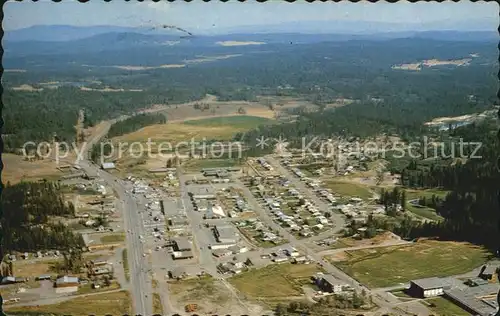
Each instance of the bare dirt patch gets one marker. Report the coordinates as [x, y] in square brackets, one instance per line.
[14, 70]
[136, 68]
[211, 296]
[26, 87]
[17, 169]
[107, 89]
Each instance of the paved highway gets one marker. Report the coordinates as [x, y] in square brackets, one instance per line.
[141, 288]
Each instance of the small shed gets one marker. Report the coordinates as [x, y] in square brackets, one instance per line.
[108, 165]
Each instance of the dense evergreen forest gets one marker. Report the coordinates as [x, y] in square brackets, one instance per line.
[27, 207]
[135, 123]
[37, 116]
[319, 72]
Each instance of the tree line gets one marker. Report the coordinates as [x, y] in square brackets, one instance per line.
[135, 123]
[27, 208]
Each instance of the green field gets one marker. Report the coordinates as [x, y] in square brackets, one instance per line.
[349, 189]
[276, 280]
[237, 121]
[415, 194]
[443, 307]
[115, 238]
[390, 266]
[426, 212]
[198, 164]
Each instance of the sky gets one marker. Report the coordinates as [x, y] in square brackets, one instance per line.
[218, 16]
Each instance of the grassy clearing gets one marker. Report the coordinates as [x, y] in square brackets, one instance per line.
[157, 307]
[443, 307]
[237, 122]
[389, 266]
[277, 280]
[415, 194]
[219, 128]
[117, 303]
[198, 164]
[108, 239]
[125, 265]
[31, 269]
[349, 189]
[426, 212]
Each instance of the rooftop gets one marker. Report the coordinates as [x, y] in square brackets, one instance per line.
[67, 279]
[471, 297]
[182, 243]
[332, 280]
[430, 283]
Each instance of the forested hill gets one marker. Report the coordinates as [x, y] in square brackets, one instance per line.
[318, 72]
[36, 116]
[135, 123]
[471, 210]
[26, 208]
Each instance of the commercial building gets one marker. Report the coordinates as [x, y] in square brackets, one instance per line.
[177, 255]
[219, 253]
[225, 234]
[67, 284]
[428, 287]
[182, 244]
[328, 283]
[478, 300]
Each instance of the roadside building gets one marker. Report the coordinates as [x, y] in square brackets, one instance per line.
[91, 174]
[177, 273]
[428, 287]
[108, 166]
[182, 244]
[179, 255]
[43, 277]
[67, 284]
[328, 283]
[225, 234]
[220, 253]
[9, 280]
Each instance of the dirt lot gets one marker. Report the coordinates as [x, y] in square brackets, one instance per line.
[17, 169]
[211, 295]
[117, 303]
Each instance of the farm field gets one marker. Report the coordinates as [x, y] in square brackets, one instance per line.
[116, 303]
[198, 164]
[275, 281]
[17, 169]
[349, 189]
[400, 264]
[238, 122]
[219, 128]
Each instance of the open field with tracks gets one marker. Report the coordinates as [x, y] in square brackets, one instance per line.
[389, 266]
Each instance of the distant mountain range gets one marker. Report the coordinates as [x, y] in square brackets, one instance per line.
[60, 39]
[61, 33]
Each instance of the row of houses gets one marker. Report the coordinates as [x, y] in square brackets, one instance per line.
[264, 164]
